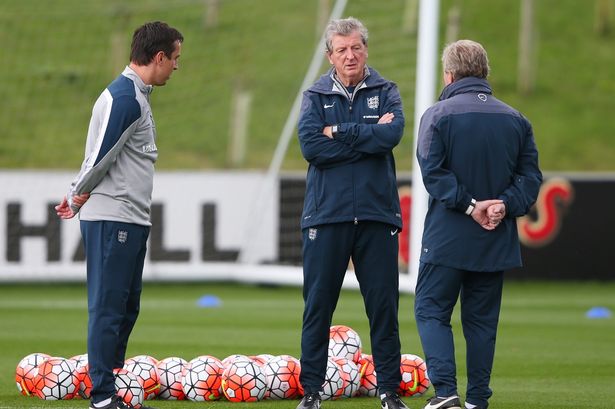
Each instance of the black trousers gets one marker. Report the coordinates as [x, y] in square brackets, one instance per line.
[327, 250]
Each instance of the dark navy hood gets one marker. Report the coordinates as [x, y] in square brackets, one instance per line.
[465, 85]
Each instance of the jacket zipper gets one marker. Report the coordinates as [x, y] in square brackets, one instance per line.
[350, 97]
[354, 190]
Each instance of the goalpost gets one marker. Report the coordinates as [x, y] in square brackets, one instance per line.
[426, 68]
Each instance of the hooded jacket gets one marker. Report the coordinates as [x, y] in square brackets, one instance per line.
[350, 178]
[471, 145]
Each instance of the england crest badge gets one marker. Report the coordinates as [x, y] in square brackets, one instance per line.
[122, 236]
[373, 102]
[312, 233]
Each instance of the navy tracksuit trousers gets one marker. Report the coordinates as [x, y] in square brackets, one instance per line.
[480, 295]
[115, 253]
[327, 250]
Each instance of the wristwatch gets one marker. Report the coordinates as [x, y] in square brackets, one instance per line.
[334, 129]
[470, 208]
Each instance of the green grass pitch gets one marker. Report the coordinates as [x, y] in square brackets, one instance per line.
[549, 355]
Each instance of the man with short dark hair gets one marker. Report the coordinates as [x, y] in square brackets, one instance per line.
[112, 194]
[479, 163]
[351, 120]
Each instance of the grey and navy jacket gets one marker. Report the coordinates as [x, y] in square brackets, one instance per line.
[350, 178]
[118, 170]
[471, 145]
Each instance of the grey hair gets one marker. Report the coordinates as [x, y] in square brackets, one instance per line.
[465, 58]
[344, 27]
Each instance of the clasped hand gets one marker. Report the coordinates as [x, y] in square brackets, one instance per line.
[489, 213]
[63, 209]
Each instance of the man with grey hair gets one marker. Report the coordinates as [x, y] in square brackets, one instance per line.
[351, 119]
[479, 163]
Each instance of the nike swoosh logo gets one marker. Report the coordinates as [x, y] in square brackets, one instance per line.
[442, 404]
[329, 106]
[394, 232]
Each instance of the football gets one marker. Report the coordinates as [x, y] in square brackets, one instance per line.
[56, 379]
[202, 379]
[147, 374]
[26, 372]
[414, 379]
[85, 382]
[83, 376]
[243, 381]
[369, 383]
[170, 372]
[261, 359]
[229, 359]
[282, 373]
[79, 360]
[333, 387]
[344, 342]
[128, 387]
[352, 377]
[148, 358]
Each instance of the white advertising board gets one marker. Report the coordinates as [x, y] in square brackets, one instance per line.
[199, 227]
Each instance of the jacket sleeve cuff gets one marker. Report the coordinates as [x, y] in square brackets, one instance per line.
[342, 133]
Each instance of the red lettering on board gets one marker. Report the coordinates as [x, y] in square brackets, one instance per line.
[405, 201]
[554, 197]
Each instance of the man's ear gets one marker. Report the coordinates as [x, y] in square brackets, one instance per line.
[328, 54]
[158, 58]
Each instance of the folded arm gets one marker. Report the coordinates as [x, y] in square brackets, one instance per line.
[377, 138]
[317, 148]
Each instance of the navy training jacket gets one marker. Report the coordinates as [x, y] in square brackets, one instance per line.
[352, 176]
[471, 145]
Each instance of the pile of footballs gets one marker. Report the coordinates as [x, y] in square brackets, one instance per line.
[237, 378]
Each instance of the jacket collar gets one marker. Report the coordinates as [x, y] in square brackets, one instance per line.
[329, 84]
[143, 87]
[465, 85]
[337, 84]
